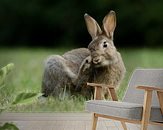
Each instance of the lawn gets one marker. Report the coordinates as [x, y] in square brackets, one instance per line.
[27, 75]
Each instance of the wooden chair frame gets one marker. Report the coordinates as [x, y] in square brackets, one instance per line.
[146, 106]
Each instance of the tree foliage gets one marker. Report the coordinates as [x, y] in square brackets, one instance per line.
[59, 23]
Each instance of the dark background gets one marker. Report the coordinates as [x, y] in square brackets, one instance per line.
[51, 23]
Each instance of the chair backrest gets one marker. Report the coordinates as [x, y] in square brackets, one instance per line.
[147, 77]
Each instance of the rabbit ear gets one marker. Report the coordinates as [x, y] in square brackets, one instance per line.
[109, 24]
[92, 26]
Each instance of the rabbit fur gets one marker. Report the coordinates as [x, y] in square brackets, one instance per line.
[99, 63]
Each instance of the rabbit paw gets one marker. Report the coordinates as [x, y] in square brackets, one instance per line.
[86, 64]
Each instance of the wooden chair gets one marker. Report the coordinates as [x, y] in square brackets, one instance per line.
[142, 103]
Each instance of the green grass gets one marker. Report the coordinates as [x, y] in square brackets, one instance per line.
[28, 71]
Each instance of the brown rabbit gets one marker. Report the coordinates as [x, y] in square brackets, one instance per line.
[107, 64]
[100, 63]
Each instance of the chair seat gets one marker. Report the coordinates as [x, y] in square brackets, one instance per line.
[131, 111]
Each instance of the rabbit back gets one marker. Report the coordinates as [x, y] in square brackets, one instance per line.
[75, 58]
[61, 71]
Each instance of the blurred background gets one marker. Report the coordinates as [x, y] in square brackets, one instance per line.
[56, 23]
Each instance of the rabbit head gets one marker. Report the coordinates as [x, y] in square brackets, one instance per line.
[103, 51]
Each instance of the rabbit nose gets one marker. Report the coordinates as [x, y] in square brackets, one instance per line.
[96, 60]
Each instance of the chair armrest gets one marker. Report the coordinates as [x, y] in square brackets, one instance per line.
[98, 91]
[148, 100]
[99, 85]
[150, 88]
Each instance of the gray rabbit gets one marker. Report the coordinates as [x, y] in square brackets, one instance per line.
[100, 63]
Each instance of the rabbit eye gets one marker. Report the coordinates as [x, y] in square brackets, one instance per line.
[105, 44]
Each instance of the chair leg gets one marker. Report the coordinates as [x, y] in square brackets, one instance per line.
[94, 121]
[124, 125]
[144, 126]
[160, 98]
[146, 109]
